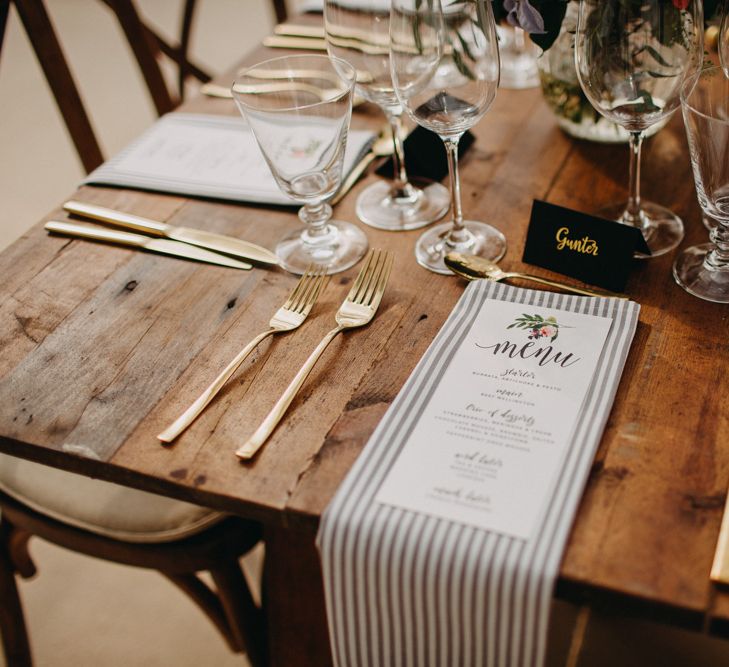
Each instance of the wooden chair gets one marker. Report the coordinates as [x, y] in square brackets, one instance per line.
[147, 46]
[130, 527]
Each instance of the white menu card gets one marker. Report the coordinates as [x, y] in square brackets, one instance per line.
[205, 156]
[487, 446]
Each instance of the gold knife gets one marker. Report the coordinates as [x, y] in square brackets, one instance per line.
[196, 237]
[164, 246]
[284, 42]
[297, 30]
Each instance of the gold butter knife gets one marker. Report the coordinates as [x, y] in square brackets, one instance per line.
[196, 237]
[163, 246]
[294, 43]
[297, 30]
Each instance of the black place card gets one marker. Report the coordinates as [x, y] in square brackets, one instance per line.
[591, 249]
[425, 155]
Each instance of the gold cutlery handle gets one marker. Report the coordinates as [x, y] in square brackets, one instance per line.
[118, 218]
[564, 286]
[187, 417]
[96, 233]
[254, 443]
[216, 90]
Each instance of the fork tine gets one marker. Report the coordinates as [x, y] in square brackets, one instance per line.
[382, 281]
[369, 289]
[303, 288]
[364, 272]
[312, 294]
[299, 287]
[294, 294]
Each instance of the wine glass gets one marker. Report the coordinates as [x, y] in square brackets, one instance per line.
[360, 34]
[298, 108]
[703, 270]
[631, 59]
[445, 67]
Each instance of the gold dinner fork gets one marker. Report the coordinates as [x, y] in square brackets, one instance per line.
[287, 318]
[357, 310]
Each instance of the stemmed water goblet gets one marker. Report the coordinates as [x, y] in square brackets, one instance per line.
[445, 68]
[360, 34]
[632, 59]
[703, 270]
[299, 108]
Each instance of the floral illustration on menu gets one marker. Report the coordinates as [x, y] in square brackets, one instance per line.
[537, 326]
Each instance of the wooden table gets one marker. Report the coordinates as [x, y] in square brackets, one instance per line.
[102, 347]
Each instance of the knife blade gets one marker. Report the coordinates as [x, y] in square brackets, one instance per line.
[297, 30]
[196, 237]
[164, 246]
[294, 43]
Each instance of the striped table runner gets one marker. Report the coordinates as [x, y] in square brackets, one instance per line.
[407, 589]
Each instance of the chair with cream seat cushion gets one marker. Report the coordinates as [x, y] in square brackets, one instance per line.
[126, 526]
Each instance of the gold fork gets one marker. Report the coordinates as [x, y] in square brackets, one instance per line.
[287, 318]
[357, 310]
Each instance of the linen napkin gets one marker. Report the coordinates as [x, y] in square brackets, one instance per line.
[202, 155]
[408, 588]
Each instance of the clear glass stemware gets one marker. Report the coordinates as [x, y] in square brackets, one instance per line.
[723, 40]
[445, 68]
[632, 59]
[518, 58]
[299, 108]
[703, 270]
[360, 34]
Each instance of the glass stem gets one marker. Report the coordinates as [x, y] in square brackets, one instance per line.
[458, 232]
[718, 258]
[400, 186]
[315, 217]
[632, 211]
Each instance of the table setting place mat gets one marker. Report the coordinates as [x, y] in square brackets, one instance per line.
[204, 155]
[443, 543]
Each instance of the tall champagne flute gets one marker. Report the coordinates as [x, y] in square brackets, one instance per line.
[359, 32]
[632, 58]
[445, 68]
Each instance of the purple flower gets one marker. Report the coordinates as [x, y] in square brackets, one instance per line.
[523, 15]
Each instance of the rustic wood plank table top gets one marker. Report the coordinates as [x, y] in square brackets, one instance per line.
[102, 347]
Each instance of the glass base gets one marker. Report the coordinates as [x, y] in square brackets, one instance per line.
[691, 272]
[376, 208]
[662, 229]
[482, 239]
[342, 247]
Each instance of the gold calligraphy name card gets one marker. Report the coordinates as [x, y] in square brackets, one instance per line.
[594, 250]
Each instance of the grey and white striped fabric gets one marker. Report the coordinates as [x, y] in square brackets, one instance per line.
[411, 590]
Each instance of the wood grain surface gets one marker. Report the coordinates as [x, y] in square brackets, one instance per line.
[102, 347]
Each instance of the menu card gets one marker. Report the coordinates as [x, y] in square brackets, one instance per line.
[488, 445]
[205, 156]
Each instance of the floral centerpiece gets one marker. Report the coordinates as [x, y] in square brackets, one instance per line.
[551, 25]
[542, 19]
